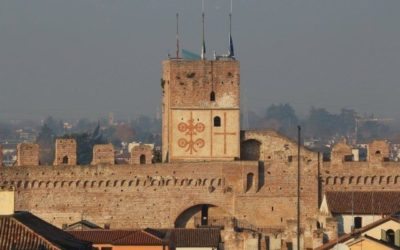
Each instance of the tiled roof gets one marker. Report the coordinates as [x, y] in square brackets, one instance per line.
[356, 233]
[384, 202]
[118, 237]
[23, 230]
[100, 236]
[139, 238]
[198, 237]
[83, 224]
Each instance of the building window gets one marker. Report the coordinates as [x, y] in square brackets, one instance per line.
[217, 121]
[142, 159]
[357, 222]
[65, 160]
[212, 96]
[390, 236]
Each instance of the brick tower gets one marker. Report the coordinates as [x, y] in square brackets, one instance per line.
[200, 110]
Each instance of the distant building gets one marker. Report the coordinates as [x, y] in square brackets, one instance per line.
[353, 210]
[382, 234]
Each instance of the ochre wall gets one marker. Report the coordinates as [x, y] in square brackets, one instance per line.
[187, 86]
[103, 154]
[138, 196]
[27, 154]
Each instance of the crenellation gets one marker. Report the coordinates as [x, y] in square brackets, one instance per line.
[103, 154]
[378, 151]
[142, 154]
[65, 152]
[27, 154]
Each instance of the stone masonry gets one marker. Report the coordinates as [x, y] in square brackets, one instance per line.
[27, 154]
[142, 154]
[340, 153]
[65, 152]
[103, 154]
[378, 151]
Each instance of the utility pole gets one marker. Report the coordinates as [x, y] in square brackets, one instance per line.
[298, 185]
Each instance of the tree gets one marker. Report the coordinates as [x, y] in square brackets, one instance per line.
[46, 141]
[283, 118]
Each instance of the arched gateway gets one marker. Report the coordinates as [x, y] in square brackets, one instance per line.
[201, 215]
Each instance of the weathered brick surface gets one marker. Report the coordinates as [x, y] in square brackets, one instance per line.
[378, 150]
[125, 196]
[339, 153]
[142, 154]
[65, 152]
[190, 113]
[27, 154]
[103, 154]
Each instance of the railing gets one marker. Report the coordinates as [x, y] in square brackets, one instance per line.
[237, 224]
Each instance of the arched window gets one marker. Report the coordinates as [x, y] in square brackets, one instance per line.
[217, 121]
[65, 160]
[378, 152]
[212, 96]
[390, 236]
[142, 159]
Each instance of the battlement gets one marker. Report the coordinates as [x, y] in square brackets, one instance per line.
[27, 154]
[201, 83]
[103, 154]
[65, 152]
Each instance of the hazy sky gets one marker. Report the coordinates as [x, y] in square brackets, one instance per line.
[86, 58]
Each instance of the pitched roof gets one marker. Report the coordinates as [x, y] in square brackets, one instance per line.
[356, 233]
[118, 237]
[23, 230]
[198, 237]
[100, 236]
[366, 202]
[139, 238]
[82, 223]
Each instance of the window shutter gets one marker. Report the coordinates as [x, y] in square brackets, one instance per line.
[383, 235]
[397, 238]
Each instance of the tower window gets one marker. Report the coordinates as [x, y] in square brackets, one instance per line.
[65, 160]
[217, 121]
[212, 96]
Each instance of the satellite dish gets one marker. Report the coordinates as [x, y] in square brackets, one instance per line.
[341, 246]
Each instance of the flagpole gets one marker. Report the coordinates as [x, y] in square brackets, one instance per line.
[203, 46]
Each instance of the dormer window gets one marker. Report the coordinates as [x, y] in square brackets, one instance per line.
[212, 96]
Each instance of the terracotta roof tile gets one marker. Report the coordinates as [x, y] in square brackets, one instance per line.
[23, 230]
[384, 202]
[139, 238]
[198, 237]
[356, 233]
[100, 236]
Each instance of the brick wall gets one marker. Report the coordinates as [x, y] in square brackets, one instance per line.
[103, 154]
[65, 152]
[27, 154]
[142, 154]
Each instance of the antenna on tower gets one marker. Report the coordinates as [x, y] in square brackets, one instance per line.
[177, 35]
[203, 46]
[231, 50]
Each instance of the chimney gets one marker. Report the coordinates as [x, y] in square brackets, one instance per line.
[6, 200]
